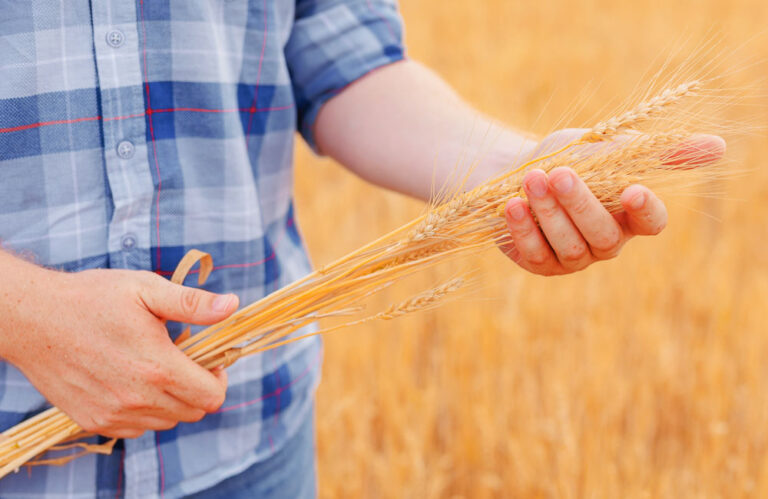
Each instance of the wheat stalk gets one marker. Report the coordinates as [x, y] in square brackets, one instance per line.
[465, 224]
[423, 301]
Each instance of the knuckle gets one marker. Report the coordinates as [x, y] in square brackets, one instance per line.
[538, 257]
[196, 415]
[93, 424]
[574, 253]
[190, 300]
[658, 227]
[155, 375]
[548, 210]
[580, 205]
[146, 279]
[164, 425]
[214, 401]
[653, 221]
[131, 401]
[109, 418]
[607, 254]
[608, 242]
[524, 230]
[132, 433]
[192, 415]
[108, 413]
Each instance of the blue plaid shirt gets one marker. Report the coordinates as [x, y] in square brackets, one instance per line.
[133, 131]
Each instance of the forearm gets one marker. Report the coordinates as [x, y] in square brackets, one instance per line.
[22, 294]
[405, 129]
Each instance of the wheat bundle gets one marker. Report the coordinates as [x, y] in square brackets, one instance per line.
[642, 145]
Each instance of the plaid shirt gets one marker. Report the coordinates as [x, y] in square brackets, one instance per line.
[131, 132]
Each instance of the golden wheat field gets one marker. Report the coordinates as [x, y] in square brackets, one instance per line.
[646, 376]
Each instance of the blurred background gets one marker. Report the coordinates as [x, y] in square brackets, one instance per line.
[642, 377]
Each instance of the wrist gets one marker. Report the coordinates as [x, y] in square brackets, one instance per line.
[511, 150]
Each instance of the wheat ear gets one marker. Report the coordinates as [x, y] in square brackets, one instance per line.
[643, 112]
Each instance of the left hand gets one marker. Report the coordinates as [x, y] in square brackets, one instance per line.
[574, 229]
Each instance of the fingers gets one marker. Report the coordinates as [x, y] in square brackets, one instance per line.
[126, 423]
[167, 406]
[564, 237]
[138, 425]
[645, 214]
[180, 303]
[154, 423]
[599, 228]
[129, 413]
[123, 433]
[528, 248]
[193, 384]
[575, 229]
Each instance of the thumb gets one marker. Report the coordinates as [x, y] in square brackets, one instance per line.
[699, 150]
[179, 303]
[558, 140]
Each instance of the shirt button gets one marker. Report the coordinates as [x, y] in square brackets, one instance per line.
[115, 38]
[125, 149]
[128, 242]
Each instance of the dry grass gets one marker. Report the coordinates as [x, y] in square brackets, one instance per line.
[643, 377]
[552, 414]
[462, 224]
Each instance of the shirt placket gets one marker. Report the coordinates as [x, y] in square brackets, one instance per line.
[118, 48]
[118, 44]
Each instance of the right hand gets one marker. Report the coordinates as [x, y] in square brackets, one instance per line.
[572, 229]
[95, 345]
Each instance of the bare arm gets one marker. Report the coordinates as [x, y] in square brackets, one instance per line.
[388, 126]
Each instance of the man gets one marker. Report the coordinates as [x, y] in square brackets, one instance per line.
[131, 132]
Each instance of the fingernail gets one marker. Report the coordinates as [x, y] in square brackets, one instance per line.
[638, 201]
[516, 212]
[563, 183]
[537, 186]
[221, 303]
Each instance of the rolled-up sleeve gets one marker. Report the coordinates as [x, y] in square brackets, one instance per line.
[335, 42]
